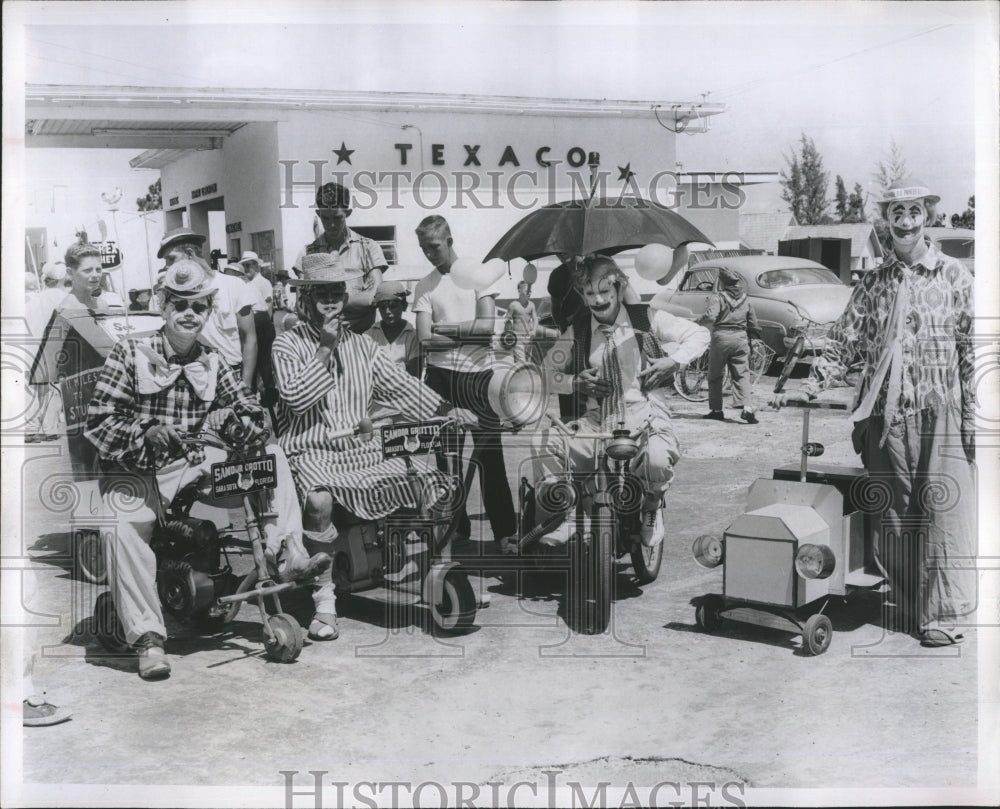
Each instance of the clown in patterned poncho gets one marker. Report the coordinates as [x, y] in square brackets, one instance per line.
[909, 322]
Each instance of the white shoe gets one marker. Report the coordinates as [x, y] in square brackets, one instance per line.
[651, 530]
[559, 536]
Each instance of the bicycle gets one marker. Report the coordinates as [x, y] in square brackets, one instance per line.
[691, 381]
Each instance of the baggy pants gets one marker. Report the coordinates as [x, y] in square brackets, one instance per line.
[132, 563]
[729, 349]
[927, 543]
[653, 465]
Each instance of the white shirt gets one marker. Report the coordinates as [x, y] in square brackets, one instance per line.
[264, 291]
[439, 296]
[221, 331]
[681, 340]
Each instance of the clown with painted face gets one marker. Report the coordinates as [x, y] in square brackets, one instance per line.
[613, 362]
[909, 322]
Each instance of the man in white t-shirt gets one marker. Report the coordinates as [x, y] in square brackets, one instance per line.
[455, 328]
[262, 316]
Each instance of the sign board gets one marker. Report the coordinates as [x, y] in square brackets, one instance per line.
[244, 476]
[74, 346]
[409, 438]
[111, 256]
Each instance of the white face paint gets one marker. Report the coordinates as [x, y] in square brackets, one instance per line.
[906, 221]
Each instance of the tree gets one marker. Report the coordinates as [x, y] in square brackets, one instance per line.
[804, 187]
[856, 204]
[892, 170]
[843, 204]
[967, 219]
[153, 201]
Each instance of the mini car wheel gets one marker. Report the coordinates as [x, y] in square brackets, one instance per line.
[91, 563]
[287, 641]
[817, 634]
[108, 626]
[708, 614]
[456, 610]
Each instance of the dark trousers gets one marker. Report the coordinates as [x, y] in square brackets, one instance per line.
[469, 391]
[265, 339]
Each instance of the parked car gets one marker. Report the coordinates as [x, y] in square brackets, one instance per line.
[958, 243]
[790, 296]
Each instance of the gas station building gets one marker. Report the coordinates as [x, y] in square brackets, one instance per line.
[251, 159]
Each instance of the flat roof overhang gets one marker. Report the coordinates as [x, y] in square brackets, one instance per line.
[162, 118]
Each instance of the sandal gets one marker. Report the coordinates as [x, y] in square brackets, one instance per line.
[940, 637]
[324, 627]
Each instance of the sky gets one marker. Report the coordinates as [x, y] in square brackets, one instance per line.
[852, 76]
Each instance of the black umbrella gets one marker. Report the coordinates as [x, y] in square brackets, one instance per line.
[598, 225]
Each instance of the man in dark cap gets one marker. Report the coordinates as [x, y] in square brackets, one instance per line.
[178, 243]
[357, 252]
[733, 324]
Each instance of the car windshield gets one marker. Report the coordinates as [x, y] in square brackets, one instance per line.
[796, 276]
[958, 248]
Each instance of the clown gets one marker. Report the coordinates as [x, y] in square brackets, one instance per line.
[909, 322]
[613, 361]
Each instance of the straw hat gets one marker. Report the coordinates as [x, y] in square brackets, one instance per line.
[323, 268]
[189, 280]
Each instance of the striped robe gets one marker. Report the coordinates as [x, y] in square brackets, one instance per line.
[317, 398]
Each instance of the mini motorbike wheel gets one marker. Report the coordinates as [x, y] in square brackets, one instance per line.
[456, 610]
[708, 614]
[108, 626]
[646, 561]
[248, 583]
[91, 562]
[286, 644]
[592, 576]
[691, 381]
[817, 634]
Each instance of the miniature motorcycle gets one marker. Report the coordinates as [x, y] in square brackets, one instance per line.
[370, 555]
[194, 577]
[606, 506]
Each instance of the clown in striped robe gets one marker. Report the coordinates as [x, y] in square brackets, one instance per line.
[317, 399]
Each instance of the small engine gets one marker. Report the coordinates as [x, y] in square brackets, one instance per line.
[189, 576]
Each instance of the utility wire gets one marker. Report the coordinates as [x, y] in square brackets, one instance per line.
[738, 89]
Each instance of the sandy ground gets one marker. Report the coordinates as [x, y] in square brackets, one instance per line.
[652, 700]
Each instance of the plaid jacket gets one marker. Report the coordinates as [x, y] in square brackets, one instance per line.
[118, 415]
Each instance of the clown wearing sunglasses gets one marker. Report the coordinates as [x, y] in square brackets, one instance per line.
[153, 391]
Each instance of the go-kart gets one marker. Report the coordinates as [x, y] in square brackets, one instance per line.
[605, 505]
[806, 537]
[194, 577]
[369, 555]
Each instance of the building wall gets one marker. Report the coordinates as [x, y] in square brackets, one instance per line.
[403, 167]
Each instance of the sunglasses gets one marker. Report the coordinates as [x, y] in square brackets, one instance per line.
[198, 307]
[328, 295]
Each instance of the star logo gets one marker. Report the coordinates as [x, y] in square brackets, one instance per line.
[625, 172]
[344, 154]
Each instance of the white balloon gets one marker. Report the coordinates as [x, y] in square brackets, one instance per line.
[530, 273]
[467, 273]
[653, 261]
